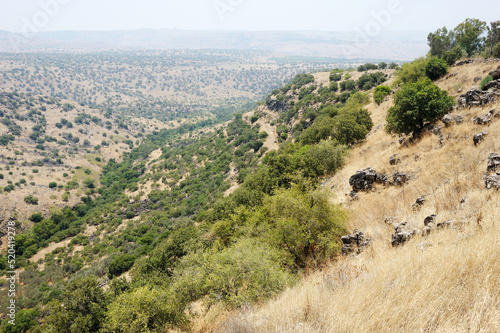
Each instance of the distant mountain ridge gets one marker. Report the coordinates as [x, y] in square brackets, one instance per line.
[387, 45]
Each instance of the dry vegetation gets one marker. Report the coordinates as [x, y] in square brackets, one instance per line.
[446, 282]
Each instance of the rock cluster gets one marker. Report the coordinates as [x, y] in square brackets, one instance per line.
[278, 106]
[402, 233]
[354, 243]
[448, 120]
[477, 97]
[364, 179]
[492, 176]
[465, 62]
[495, 74]
[485, 119]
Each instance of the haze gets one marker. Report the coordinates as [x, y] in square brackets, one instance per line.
[255, 15]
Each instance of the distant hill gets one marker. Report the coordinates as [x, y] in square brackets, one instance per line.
[388, 45]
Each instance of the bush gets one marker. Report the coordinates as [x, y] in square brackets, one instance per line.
[31, 200]
[484, 81]
[335, 77]
[453, 55]
[415, 104]
[435, 68]
[380, 93]
[36, 217]
[120, 265]
[411, 72]
[52, 185]
[348, 85]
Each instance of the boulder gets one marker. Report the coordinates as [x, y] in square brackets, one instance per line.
[492, 182]
[459, 119]
[419, 203]
[493, 162]
[430, 220]
[448, 120]
[393, 160]
[478, 138]
[465, 62]
[354, 243]
[364, 179]
[401, 235]
[399, 178]
[476, 97]
[485, 119]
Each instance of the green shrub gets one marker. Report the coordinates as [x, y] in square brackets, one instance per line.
[36, 217]
[435, 68]
[451, 56]
[31, 200]
[335, 77]
[484, 81]
[380, 93]
[120, 264]
[496, 50]
[52, 185]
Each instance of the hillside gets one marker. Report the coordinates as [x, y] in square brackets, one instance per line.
[446, 281]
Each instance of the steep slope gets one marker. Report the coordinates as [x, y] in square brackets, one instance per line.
[447, 281]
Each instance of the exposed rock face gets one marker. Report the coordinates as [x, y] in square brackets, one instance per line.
[493, 162]
[354, 243]
[478, 138]
[278, 106]
[476, 97]
[495, 84]
[364, 179]
[401, 234]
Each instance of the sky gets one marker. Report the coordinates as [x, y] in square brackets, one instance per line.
[254, 15]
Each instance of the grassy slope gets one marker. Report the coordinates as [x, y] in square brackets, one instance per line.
[449, 285]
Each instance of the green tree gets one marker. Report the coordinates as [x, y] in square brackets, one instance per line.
[435, 68]
[416, 104]
[468, 35]
[440, 41]
[454, 54]
[81, 310]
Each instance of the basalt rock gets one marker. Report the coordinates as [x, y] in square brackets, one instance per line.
[399, 178]
[445, 224]
[492, 182]
[419, 203]
[364, 179]
[401, 235]
[354, 243]
[493, 162]
[485, 119]
[477, 97]
[393, 160]
[465, 62]
[478, 138]
[430, 221]
[448, 120]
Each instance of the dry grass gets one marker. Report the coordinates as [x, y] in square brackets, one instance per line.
[447, 282]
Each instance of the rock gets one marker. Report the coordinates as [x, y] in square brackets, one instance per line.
[459, 120]
[401, 235]
[399, 178]
[394, 160]
[460, 90]
[354, 243]
[476, 97]
[354, 196]
[278, 106]
[496, 74]
[479, 137]
[465, 62]
[426, 231]
[424, 245]
[493, 162]
[364, 179]
[445, 224]
[492, 84]
[419, 203]
[477, 79]
[492, 182]
[430, 220]
[485, 119]
[448, 120]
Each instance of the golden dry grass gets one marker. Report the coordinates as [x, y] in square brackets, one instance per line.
[447, 282]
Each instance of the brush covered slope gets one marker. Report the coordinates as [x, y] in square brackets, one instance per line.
[200, 217]
[445, 275]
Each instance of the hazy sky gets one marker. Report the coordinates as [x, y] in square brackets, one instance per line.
[325, 15]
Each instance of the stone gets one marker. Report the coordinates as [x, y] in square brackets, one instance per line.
[492, 182]
[401, 234]
[459, 120]
[399, 178]
[485, 119]
[394, 160]
[448, 120]
[465, 62]
[419, 203]
[364, 179]
[445, 224]
[354, 243]
[477, 79]
[478, 138]
[493, 162]
[477, 97]
[430, 220]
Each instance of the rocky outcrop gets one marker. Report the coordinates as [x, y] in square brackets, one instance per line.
[278, 106]
[477, 97]
[354, 243]
[402, 234]
[478, 138]
[485, 119]
[492, 85]
[364, 179]
[465, 62]
[492, 182]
